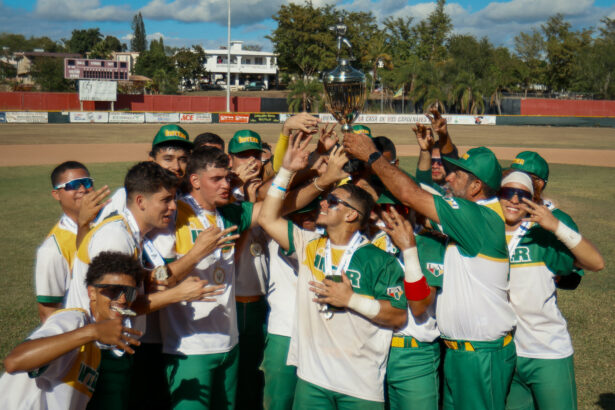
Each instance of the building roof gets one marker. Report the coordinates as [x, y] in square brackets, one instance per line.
[47, 54]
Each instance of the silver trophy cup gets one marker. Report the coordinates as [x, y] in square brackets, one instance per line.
[345, 87]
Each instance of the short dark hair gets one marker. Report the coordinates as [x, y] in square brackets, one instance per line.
[206, 156]
[148, 177]
[62, 168]
[208, 138]
[266, 146]
[362, 199]
[384, 144]
[113, 262]
[173, 145]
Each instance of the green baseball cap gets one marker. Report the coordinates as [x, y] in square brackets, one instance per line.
[171, 132]
[532, 163]
[387, 198]
[244, 140]
[482, 163]
[361, 129]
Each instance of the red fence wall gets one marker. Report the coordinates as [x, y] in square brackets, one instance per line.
[586, 108]
[151, 103]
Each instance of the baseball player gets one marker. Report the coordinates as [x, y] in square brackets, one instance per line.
[54, 258]
[541, 248]
[473, 313]
[57, 367]
[209, 139]
[340, 341]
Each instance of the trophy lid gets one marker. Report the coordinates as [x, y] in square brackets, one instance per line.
[344, 73]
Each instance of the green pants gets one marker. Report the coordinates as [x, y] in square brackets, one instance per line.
[477, 375]
[280, 379]
[114, 382]
[308, 396]
[412, 375]
[207, 381]
[545, 384]
[251, 321]
[149, 389]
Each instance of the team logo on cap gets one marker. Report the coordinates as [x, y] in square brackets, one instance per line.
[435, 269]
[395, 292]
[465, 156]
[175, 133]
[361, 131]
[242, 140]
[518, 161]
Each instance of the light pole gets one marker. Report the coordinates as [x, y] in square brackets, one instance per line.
[380, 66]
[228, 59]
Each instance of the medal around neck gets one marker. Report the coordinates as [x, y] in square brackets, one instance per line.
[345, 86]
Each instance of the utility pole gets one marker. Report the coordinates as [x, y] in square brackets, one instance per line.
[228, 59]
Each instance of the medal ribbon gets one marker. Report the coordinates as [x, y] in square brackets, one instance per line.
[354, 243]
[202, 215]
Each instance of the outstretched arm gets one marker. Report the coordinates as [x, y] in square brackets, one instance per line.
[397, 182]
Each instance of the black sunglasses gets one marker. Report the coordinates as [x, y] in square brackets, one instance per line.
[332, 200]
[437, 161]
[114, 292]
[509, 193]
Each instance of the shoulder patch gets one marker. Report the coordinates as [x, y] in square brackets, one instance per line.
[436, 269]
[451, 202]
[395, 292]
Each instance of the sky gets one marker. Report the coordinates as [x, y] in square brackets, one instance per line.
[203, 22]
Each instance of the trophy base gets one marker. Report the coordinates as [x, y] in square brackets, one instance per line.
[346, 128]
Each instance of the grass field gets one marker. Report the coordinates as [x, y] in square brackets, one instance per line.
[584, 192]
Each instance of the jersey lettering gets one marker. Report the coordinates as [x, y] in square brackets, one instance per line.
[521, 254]
[88, 377]
[354, 277]
[194, 233]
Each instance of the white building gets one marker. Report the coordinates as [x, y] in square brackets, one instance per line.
[246, 65]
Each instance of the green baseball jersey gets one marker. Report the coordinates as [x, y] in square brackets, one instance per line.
[536, 257]
[473, 304]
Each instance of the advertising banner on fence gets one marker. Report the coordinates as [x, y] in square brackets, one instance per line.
[96, 90]
[409, 119]
[89, 116]
[234, 118]
[2, 117]
[161, 117]
[127, 117]
[264, 118]
[27, 117]
[196, 117]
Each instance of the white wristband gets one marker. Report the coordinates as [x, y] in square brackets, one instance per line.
[280, 183]
[412, 266]
[567, 235]
[364, 306]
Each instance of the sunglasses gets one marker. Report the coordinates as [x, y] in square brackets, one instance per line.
[509, 193]
[401, 209]
[114, 292]
[332, 200]
[75, 184]
[437, 161]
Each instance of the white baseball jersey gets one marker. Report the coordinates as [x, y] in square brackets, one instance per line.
[282, 290]
[54, 260]
[536, 257]
[66, 382]
[191, 328]
[345, 352]
[474, 302]
[117, 204]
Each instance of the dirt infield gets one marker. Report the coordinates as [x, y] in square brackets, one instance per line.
[45, 144]
[48, 154]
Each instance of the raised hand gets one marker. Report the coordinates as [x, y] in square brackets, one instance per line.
[539, 214]
[303, 122]
[335, 167]
[359, 146]
[213, 238]
[112, 332]
[423, 137]
[328, 139]
[248, 170]
[438, 122]
[251, 187]
[399, 229]
[91, 204]
[296, 157]
[194, 289]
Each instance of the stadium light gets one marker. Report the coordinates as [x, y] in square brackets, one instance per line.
[228, 59]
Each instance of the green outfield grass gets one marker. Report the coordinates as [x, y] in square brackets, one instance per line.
[584, 192]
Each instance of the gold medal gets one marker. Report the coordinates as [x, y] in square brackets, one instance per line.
[256, 249]
[219, 275]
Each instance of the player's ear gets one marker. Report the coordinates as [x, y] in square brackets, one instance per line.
[55, 194]
[92, 293]
[352, 216]
[194, 181]
[140, 201]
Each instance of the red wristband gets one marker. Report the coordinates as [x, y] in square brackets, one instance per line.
[418, 290]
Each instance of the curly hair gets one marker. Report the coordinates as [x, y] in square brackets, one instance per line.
[113, 263]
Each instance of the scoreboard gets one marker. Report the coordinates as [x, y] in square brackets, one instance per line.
[84, 69]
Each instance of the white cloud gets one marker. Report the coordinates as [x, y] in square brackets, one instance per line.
[89, 10]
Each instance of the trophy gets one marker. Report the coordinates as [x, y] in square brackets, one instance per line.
[345, 92]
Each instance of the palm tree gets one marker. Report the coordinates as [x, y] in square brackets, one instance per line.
[304, 95]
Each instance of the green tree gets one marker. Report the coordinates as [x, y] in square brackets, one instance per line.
[17, 42]
[433, 34]
[48, 73]
[82, 41]
[154, 63]
[304, 95]
[190, 63]
[103, 49]
[139, 39]
[529, 47]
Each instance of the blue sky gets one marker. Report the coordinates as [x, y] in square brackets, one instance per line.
[187, 22]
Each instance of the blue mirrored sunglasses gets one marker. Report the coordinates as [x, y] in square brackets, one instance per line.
[509, 193]
[75, 184]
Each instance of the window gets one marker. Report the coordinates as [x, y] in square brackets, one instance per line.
[71, 62]
[258, 60]
[123, 64]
